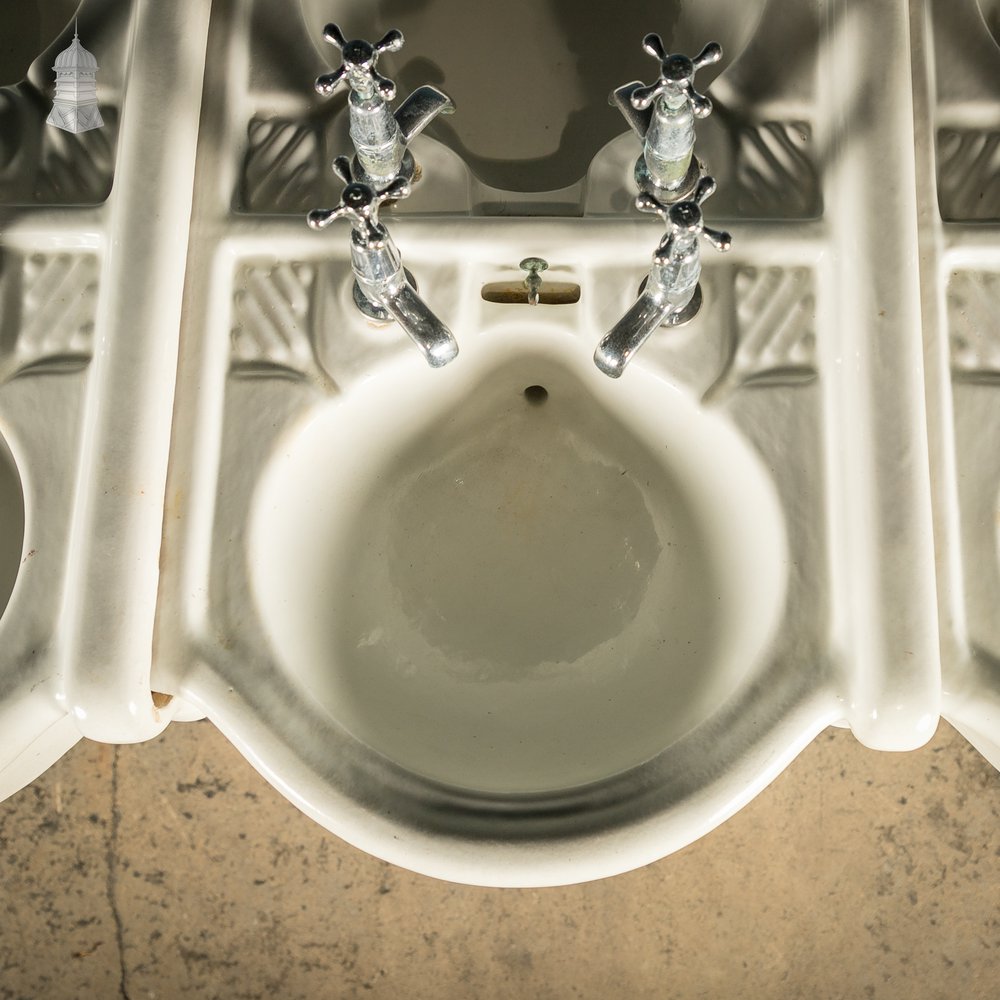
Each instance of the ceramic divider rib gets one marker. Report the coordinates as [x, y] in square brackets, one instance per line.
[113, 569]
[213, 255]
[882, 538]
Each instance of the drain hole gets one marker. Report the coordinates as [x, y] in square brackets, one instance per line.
[536, 394]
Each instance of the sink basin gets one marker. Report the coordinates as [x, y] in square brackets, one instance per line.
[514, 578]
[507, 622]
[510, 622]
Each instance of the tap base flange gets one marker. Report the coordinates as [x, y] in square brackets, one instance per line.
[668, 196]
[372, 309]
[684, 315]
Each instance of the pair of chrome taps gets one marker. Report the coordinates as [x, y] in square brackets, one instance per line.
[670, 178]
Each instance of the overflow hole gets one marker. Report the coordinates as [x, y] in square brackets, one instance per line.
[536, 394]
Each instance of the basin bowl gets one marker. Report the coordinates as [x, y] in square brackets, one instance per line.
[511, 576]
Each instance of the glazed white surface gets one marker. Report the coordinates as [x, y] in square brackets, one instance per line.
[490, 641]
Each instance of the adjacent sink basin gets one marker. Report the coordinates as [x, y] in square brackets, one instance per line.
[510, 577]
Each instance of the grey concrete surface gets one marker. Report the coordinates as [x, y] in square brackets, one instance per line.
[171, 869]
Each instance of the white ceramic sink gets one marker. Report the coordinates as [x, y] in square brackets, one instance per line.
[508, 622]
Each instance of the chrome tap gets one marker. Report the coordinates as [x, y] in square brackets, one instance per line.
[380, 136]
[663, 116]
[383, 288]
[670, 294]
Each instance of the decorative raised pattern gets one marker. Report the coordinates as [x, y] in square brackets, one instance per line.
[272, 322]
[282, 167]
[974, 325]
[52, 328]
[775, 342]
[968, 174]
[776, 171]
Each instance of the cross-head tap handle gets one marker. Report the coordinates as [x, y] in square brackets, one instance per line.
[676, 81]
[358, 66]
[360, 204]
[683, 218]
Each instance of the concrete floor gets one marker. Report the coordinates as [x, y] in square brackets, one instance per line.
[170, 869]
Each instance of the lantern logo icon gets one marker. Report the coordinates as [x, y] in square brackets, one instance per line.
[75, 107]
